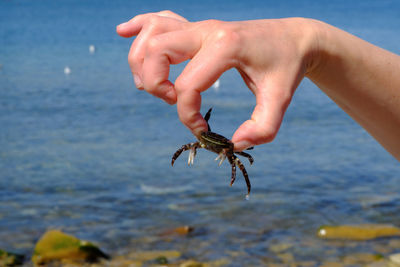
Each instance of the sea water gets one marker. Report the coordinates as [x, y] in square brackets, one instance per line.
[83, 151]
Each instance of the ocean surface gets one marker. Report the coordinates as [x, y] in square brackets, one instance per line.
[87, 153]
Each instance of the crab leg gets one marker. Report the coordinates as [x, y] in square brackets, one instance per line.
[245, 175]
[192, 154]
[221, 157]
[231, 160]
[184, 148]
[248, 156]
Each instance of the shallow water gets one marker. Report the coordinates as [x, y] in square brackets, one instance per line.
[89, 154]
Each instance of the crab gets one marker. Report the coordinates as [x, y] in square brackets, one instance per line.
[222, 146]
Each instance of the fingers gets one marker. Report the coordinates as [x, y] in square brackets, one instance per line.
[207, 65]
[152, 30]
[133, 26]
[272, 101]
[162, 51]
[147, 38]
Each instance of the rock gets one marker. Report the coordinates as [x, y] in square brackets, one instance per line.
[394, 244]
[286, 257]
[10, 259]
[395, 258]
[122, 261]
[55, 245]
[191, 263]
[358, 232]
[154, 255]
[182, 230]
[331, 264]
[280, 247]
[361, 258]
[162, 260]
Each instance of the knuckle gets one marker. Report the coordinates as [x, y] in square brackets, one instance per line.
[226, 39]
[167, 13]
[153, 45]
[134, 60]
[182, 84]
[150, 84]
[155, 21]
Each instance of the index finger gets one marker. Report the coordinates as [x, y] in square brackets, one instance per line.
[134, 25]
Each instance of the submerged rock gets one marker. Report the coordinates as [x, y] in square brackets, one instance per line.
[361, 258]
[56, 245]
[358, 232]
[155, 255]
[191, 263]
[10, 259]
[182, 231]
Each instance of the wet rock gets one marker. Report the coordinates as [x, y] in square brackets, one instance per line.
[394, 244]
[55, 245]
[162, 260]
[358, 232]
[191, 263]
[145, 256]
[286, 257]
[10, 259]
[361, 258]
[182, 230]
[331, 264]
[395, 259]
[194, 263]
[379, 264]
[122, 261]
[280, 247]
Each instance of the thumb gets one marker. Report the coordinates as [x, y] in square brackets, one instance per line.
[272, 100]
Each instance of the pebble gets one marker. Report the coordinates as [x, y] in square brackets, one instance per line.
[395, 258]
[191, 263]
[361, 258]
[152, 255]
[280, 247]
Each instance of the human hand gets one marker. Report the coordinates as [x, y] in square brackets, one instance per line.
[271, 55]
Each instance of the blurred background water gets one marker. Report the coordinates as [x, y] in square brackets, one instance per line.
[90, 154]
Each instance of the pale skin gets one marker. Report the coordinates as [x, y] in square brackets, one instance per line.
[273, 56]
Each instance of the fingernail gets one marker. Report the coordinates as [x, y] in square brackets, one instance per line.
[242, 145]
[138, 81]
[170, 97]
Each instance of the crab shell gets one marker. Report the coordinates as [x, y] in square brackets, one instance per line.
[215, 142]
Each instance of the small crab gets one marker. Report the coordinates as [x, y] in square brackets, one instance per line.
[220, 145]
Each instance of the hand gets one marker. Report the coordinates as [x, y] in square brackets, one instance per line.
[271, 55]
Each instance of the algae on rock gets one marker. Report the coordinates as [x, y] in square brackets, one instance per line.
[56, 245]
[358, 232]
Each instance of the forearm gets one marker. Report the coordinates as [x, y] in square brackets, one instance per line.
[364, 80]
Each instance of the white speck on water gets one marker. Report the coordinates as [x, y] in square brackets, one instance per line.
[92, 49]
[67, 70]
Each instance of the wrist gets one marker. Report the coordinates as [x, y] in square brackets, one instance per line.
[315, 45]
